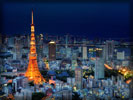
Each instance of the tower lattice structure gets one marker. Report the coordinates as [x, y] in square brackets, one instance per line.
[33, 73]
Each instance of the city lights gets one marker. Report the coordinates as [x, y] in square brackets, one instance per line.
[79, 51]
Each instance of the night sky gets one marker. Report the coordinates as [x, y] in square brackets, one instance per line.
[109, 20]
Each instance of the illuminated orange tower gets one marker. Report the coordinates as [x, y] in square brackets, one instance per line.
[33, 72]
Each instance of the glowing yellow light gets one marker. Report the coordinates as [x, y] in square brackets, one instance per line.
[32, 42]
[74, 88]
[124, 70]
[100, 49]
[125, 73]
[86, 76]
[52, 42]
[31, 78]
[91, 49]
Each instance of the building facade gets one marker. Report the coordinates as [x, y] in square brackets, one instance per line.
[52, 51]
[78, 77]
[99, 68]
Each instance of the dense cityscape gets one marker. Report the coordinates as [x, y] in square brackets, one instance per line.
[64, 67]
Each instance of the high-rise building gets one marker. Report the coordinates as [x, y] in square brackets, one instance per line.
[131, 89]
[52, 50]
[84, 52]
[99, 68]
[121, 55]
[11, 41]
[68, 53]
[99, 52]
[33, 72]
[18, 48]
[108, 50]
[78, 77]
[74, 64]
[40, 47]
[66, 41]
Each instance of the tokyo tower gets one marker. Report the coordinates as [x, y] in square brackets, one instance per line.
[33, 73]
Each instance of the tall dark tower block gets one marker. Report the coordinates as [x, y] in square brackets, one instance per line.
[52, 51]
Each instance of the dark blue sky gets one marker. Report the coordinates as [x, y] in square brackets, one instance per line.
[93, 19]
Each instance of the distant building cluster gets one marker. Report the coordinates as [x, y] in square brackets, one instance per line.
[65, 67]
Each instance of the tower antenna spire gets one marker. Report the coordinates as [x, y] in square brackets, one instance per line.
[32, 16]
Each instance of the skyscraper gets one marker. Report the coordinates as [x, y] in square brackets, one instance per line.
[131, 89]
[33, 72]
[74, 64]
[52, 50]
[84, 52]
[40, 47]
[18, 48]
[108, 50]
[99, 68]
[78, 77]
